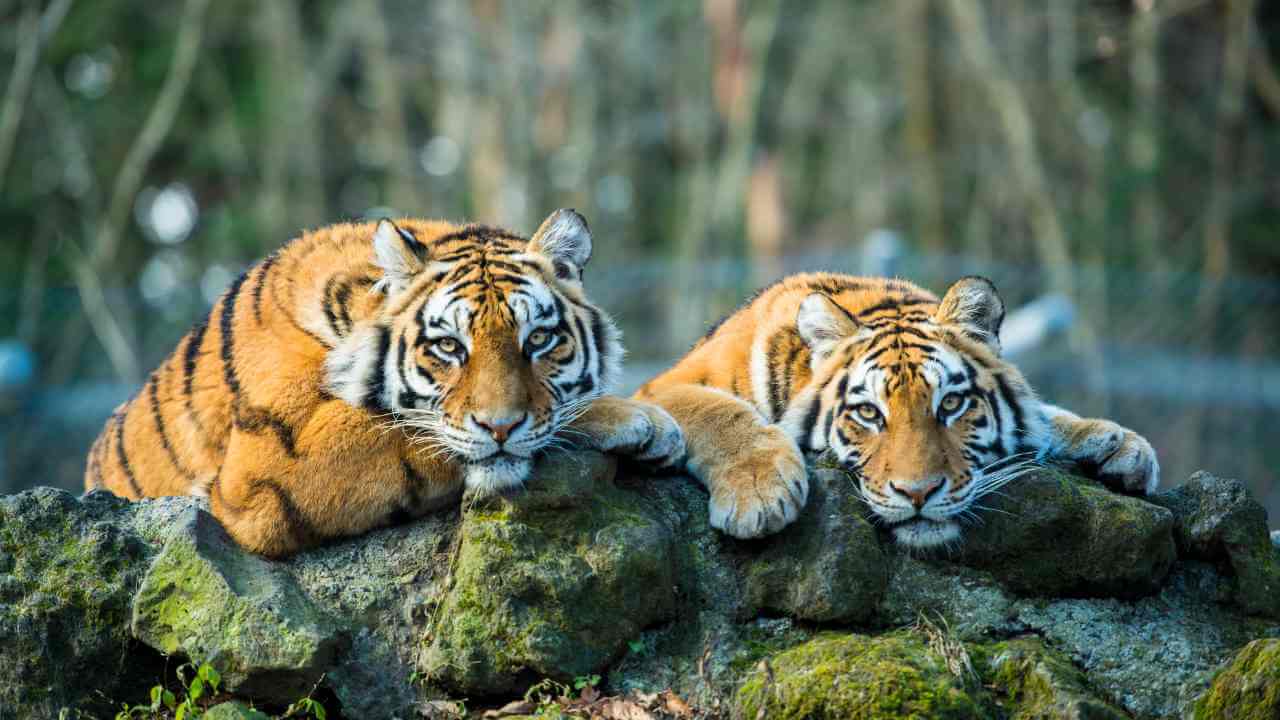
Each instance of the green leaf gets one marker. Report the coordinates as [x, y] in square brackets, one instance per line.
[196, 690]
[169, 700]
[181, 713]
[212, 676]
[155, 697]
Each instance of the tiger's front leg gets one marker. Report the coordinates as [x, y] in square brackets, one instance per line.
[637, 429]
[1116, 455]
[753, 470]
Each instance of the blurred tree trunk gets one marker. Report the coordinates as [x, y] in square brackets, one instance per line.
[388, 134]
[1143, 146]
[970, 30]
[912, 43]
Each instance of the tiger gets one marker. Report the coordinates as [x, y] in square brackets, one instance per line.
[365, 374]
[905, 392]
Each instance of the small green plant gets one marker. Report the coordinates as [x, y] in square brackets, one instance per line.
[306, 707]
[196, 693]
[582, 682]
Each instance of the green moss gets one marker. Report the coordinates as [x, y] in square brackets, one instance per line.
[858, 678]
[1248, 688]
[551, 582]
[1036, 683]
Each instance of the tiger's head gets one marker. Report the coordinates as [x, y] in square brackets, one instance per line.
[910, 396]
[486, 345]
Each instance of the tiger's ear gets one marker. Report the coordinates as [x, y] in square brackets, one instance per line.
[399, 254]
[564, 238]
[822, 325]
[975, 307]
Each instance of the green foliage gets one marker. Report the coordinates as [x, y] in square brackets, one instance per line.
[196, 696]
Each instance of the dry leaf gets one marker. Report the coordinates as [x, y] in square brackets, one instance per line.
[674, 705]
[517, 707]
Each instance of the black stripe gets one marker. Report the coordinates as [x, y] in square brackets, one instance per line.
[811, 419]
[248, 418]
[377, 380]
[771, 367]
[1007, 393]
[262, 282]
[191, 356]
[299, 526]
[123, 456]
[154, 394]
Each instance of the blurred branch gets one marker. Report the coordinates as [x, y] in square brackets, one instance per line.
[1015, 123]
[154, 130]
[33, 29]
[1265, 80]
[101, 320]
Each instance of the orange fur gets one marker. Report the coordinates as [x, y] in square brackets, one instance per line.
[293, 407]
[906, 391]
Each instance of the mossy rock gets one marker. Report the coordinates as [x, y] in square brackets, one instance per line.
[551, 582]
[1036, 683]
[1217, 520]
[856, 677]
[233, 710]
[1248, 688]
[1052, 535]
[67, 573]
[206, 599]
[827, 566]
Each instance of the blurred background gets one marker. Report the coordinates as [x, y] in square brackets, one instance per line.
[1112, 165]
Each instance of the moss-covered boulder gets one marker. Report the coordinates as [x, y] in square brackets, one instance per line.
[206, 599]
[827, 566]
[552, 581]
[1035, 683]
[1054, 535]
[856, 677]
[1248, 688]
[1216, 520]
[67, 575]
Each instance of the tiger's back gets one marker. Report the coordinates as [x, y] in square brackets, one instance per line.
[255, 364]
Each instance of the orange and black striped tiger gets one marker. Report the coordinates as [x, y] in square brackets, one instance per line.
[367, 372]
[908, 393]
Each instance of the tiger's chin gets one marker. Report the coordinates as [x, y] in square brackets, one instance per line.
[497, 473]
[923, 533]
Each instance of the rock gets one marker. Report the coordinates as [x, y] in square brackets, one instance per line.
[1246, 689]
[67, 575]
[233, 711]
[827, 566]
[1037, 683]
[857, 677]
[551, 582]
[1051, 535]
[971, 602]
[1154, 656]
[1218, 521]
[205, 598]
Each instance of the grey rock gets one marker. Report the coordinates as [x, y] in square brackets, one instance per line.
[233, 711]
[825, 567]
[205, 598]
[67, 575]
[1053, 535]
[1216, 519]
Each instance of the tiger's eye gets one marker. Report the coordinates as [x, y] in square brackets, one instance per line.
[868, 412]
[448, 345]
[951, 402]
[538, 339]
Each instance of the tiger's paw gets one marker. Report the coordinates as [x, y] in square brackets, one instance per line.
[1123, 459]
[639, 430]
[761, 491]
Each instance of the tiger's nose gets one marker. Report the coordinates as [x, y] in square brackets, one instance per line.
[501, 427]
[918, 491]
